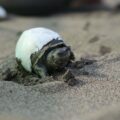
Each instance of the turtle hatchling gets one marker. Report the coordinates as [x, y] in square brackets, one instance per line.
[42, 51]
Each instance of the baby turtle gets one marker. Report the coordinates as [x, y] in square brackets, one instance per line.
[42, 51]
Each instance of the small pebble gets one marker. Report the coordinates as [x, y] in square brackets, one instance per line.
[3, 13]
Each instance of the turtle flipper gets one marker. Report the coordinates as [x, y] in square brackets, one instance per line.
[40, 70]
[72, 56]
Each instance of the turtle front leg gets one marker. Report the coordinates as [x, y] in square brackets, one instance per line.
[40, 70]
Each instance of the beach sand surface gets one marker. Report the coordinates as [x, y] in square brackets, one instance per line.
[96, 96]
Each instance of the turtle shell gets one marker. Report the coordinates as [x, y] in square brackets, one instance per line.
[32, 41]
[40, 56]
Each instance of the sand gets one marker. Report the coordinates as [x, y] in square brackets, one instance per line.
[94, 35]
[56, 100]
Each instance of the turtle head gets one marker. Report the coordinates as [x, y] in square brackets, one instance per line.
[59, 57]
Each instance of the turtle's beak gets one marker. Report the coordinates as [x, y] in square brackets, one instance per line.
[63, 56]
[63, 52]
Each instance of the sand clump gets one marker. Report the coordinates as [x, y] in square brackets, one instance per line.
[10, 71]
